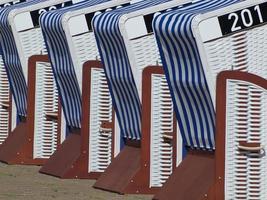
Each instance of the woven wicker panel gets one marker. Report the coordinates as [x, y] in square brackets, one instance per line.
[100, 110]
[4, 98]
[32, 43]
[46, 101]
[161, 123]
[245, 51]
[145, 52]
[84, 49]
[245, 172]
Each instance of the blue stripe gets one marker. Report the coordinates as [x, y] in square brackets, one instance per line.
[118, 69]
[11, 58]
[62, 63]
[184, 72]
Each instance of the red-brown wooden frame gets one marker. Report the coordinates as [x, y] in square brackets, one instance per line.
[85, 128]
[146, 122]
[76, 146]
[18, 148]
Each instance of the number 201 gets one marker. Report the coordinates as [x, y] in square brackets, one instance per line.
[246, 18]
[11, 3]
[50, 8]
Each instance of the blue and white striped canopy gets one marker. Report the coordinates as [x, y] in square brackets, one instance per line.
[7, 4]
[12, 64]
[11, 58]
[117, 67]
[62, 64]
[183, 68]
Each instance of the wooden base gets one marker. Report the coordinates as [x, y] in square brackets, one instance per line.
[69, 162]
[125, 175]
[193, 179]
[18, 149]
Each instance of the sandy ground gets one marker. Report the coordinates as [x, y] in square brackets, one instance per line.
[25, 183]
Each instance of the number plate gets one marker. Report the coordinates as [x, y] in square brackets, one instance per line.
[243, 19]
[37, 13]
[11, 3]
[89, 17]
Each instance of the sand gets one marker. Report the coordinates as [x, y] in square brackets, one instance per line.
[25, 183]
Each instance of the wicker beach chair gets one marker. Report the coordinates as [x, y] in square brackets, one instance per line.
[196, 45]
[35, 137]
[144, 164]
[94, 139]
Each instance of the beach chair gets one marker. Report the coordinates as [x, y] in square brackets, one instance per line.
[94, 135]
[233, 44]
[35, 137]
[6, 116]
[144, 164]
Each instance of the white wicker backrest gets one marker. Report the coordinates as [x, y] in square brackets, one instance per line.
[246, 114]
[4, 98]
[46, 101]
[100, 148]
[161, 123]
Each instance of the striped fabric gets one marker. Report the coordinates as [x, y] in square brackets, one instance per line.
[118, 69]
[183, 68]
[13, 66]
[62, 63]
[7, 3]
[11, 58]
